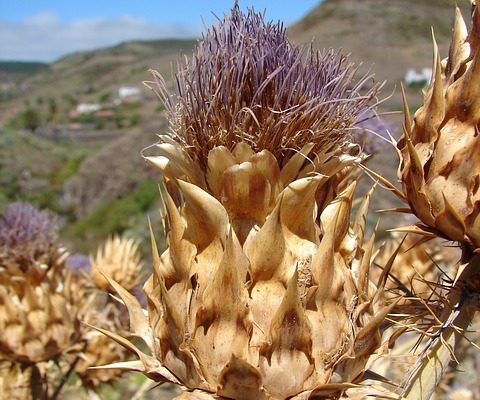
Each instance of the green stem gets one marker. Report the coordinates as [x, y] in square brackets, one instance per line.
[431, 366]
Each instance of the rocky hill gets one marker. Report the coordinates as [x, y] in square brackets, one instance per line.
[388, 37]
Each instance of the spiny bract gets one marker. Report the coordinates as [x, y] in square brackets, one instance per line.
[119, 259]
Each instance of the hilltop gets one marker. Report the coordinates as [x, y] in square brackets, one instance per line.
[388, 37]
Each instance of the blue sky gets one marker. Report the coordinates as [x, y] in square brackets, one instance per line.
[45, 30]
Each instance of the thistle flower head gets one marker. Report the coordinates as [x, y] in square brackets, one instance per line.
[28, 244]
[24, 225]
[118, 258]
[440, 163]
[247, 82]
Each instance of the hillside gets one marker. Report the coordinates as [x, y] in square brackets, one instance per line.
[91, 76]
[88, 168]
[387, 36]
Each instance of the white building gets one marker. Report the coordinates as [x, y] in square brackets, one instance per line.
[412, 77]
[86, 108]
[129, 93]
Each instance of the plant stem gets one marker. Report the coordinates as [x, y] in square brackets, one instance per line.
[438, 353]
[65, 377]
[37, 389]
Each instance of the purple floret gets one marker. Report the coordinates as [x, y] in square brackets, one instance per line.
[78, 262]
[247, 82]
[22, 224]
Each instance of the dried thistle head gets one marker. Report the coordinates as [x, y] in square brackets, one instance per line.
[40, 322]
[38, 306]
[263, 291]
[118, 258]
[247, 83]
[440, 162]
[14, 383]
[28, 244]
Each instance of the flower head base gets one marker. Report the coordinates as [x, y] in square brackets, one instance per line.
[247, 82]
[39, 324]
[290, 312]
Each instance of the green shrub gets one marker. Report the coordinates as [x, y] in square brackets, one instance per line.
[116, 216]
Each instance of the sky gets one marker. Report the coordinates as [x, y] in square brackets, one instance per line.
[45, 30]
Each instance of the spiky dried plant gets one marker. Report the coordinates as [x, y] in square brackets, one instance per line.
[38, 302]
[28, 245]
[261, 293]
[439, 167]
[118, 258]
[37, 308]
[440, 170]
[14, 383]
[39, 324]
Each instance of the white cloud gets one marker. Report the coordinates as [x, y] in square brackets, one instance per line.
[44, 37]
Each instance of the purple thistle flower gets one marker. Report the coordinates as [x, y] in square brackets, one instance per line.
[247, 82]
[373, 132]
[22, 224]
[78, 262]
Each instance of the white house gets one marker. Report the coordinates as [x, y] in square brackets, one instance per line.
[412, 77]
[129, 93]
[86, 108]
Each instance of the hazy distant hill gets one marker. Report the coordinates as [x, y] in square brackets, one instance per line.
[87, 76]
[21, 67]
[388, 36]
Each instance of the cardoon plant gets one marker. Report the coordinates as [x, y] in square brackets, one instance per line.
[28, 243]
[118, 257]
[440, 173]
[263, 291]
[38, 306]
